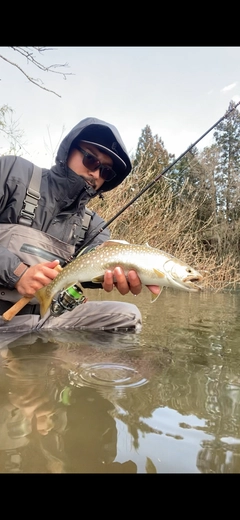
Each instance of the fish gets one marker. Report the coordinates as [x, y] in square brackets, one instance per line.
[153, 266]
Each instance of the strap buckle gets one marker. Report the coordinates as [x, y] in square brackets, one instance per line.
[30, 204]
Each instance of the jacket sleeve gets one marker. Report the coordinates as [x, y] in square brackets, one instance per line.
[11, 266]
[95, 226]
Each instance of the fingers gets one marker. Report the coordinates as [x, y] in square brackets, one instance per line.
[155, 289]
[118, 279]
[51, 265]
[36, 277]
[134, 282]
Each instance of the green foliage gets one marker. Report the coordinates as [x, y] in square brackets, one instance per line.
[227, 137]
[150, 160]
[151, 153]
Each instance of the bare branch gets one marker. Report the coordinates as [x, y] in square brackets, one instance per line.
[27, 53]
[49, 147]
[30, 57]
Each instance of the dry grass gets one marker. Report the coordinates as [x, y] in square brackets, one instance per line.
[158, 218]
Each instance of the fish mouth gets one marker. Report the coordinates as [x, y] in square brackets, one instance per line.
[193, 281]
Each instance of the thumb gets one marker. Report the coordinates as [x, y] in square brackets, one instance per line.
[51, 264]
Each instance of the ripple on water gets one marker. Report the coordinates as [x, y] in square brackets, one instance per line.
[107, 375]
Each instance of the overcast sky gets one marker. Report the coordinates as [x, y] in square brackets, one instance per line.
[180, 92]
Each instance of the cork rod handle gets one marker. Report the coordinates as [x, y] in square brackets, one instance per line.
[10, 313]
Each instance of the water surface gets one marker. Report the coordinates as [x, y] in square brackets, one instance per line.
[162, 401]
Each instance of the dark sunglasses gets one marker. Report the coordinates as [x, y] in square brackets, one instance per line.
[92, 163]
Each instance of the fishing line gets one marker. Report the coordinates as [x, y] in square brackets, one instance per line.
[151, 183]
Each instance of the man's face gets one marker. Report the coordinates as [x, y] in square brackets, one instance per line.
[75, 162]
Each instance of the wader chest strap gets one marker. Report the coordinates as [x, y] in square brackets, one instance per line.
[30, 202]
[85, 223]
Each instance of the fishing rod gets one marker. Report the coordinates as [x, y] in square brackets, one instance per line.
[73, 296]
[145, 188]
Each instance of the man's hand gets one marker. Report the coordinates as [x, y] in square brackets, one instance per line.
[118, 279]
[36, 277]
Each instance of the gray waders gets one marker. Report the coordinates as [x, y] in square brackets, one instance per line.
[33, 246]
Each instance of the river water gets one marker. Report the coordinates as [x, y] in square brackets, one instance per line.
[166, 400]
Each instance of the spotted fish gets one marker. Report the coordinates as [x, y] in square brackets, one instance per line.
[153, 266]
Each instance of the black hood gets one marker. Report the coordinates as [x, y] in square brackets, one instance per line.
[105, 134]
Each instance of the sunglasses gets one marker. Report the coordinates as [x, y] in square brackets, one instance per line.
[92, 163]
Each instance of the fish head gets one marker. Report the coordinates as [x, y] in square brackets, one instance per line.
[182, 275]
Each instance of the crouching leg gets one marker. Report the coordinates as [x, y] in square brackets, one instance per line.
[97, 315]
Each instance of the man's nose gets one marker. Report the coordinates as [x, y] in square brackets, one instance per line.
[96, 173]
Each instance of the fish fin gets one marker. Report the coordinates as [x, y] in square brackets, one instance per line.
[98, 279]
[159, 273]
[43, 300]
[110, 242]
[156, 296]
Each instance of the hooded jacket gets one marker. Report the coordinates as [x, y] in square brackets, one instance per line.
[63, 194]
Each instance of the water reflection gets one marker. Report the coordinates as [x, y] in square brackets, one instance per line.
[166, 400]
[48, 424]
[58, 403]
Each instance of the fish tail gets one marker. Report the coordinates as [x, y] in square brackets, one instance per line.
[44, 300]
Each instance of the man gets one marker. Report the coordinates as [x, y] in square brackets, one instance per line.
[40, 228]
